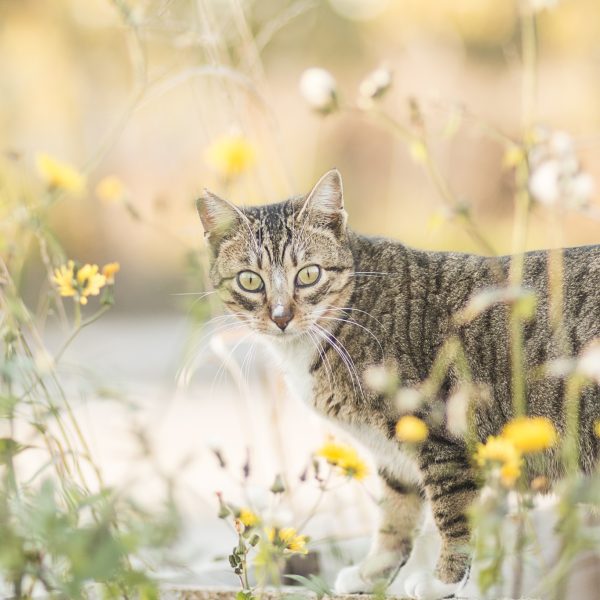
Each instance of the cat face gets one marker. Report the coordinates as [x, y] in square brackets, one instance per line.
[283, 268]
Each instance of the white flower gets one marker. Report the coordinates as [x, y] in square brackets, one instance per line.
[376, 83]
[588, 363]
[319, 89]
[556, 174]
[544, 182]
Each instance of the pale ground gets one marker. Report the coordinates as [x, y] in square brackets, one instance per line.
[140, 357]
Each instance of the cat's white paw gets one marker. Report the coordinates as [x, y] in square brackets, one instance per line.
[350, 581]
[423, 585]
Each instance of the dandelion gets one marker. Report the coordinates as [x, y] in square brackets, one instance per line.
[109, 271]
[288, 539]
[230, 155]
[345, 458]
[60, 175]
[319, 89]
[530, 434]
[110, 189]
[248, 518]
[78, 282]
[411, 429]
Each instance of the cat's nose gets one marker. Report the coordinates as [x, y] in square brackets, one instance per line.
[281, 315]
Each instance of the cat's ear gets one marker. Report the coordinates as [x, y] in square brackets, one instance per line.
[326, 200]
[218, 216]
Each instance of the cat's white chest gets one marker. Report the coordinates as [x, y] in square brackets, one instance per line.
[294, 359]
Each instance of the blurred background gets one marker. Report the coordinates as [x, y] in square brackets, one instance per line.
[136, 95]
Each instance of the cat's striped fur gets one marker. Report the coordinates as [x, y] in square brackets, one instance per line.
[380, 302]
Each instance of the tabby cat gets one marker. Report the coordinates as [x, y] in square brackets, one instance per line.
[333, 303]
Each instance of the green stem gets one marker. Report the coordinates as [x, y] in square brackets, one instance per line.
[79, 325]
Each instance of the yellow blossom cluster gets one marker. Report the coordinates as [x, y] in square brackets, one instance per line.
[81, 282]
[288, 539]
[523, 435]
[411, 429]
[230, 155]
[345, 458]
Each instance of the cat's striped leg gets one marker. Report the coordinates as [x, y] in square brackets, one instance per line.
[401, 505]
[451, 487]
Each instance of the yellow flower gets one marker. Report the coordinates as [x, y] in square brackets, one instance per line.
[411, 429]
[110, 189]
[502, 451]
[497, 449]
[230, 155]
[248, 518]
[597, 428]
[288, 539]
[509, 473]
[110, 270]
[530, 434]
[90, 282]
[64, 278]
[60, 175]
[345, 458]
[78, 282]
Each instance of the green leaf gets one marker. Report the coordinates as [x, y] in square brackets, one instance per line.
[313, 583]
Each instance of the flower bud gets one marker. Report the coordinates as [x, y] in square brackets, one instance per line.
[376, 83]
[319, 89]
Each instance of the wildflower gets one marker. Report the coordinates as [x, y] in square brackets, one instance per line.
[498, 451]
[109, 271]
[288, 539]
[588, 363]
[230, 155]
[64, 279]
[509, 473]
[345, 458]
[556, 175]
[90, 281]
[248, 518]
[319, 89]
[530, 434]
[78, 282]
[376, 84]
[110, 189]
[60, 175]
[411, 429]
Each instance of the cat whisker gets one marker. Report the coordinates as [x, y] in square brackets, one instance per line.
[201, 294]
[322, 355]
[343, 353]
[382, 273]
[352, 322]
[350, 308]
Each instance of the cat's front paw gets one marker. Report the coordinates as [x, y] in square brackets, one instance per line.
[424, 585]
[350, 581]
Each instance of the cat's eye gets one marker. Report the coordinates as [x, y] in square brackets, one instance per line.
[250, 281]
[308, 275]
